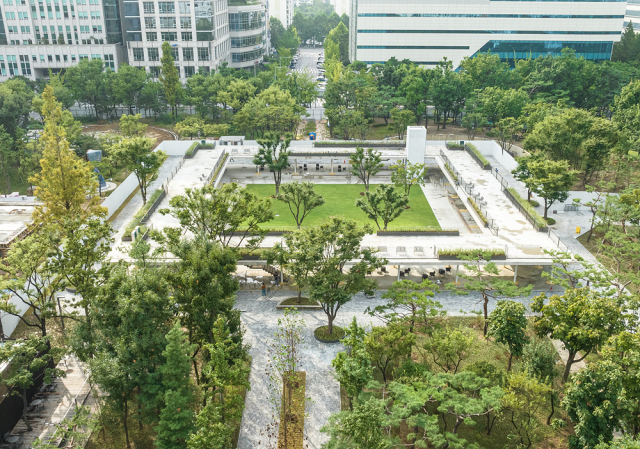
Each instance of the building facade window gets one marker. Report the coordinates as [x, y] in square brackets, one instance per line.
[138, 54]
[152, 37]
[248, 56]
[148, 8]
[243, 21]
[185, 22]
[187, 54]
[154, 71]
[203, 54]
[153, 54]
[166, 7]
[150, 23]
[169, 36]
[176, 54]
[109, 62]
[189, 71]
[187, 36]
[167, 22]
[184, 7]
[25, 65]
[247, 41]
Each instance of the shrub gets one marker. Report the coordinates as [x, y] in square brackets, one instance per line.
[137, 218]
[483, 159]
[528, 207]
[475, 206]
[465, 251]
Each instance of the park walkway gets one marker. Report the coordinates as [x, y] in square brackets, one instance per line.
[70, 391]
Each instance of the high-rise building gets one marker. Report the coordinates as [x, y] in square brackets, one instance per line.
[425, 31]
[341, 6]
[37, 36]
[632, 14]
[248, 30]
[281, 10]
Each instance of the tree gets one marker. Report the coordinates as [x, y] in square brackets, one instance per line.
[523, 399]
[136, 154]
[507, 324]
[176, 417]
[387, 345]
[550, 180]
[7, 157]
[581, 319]
[127, 85]
[277, 31]
[365, 164]
[383, 205]
[237, 93]
[285, 359]
[593, 400]
[361, 428]
[482, 278]
[204, 289]
[353, 367]
[448, 347]
[27, 361]
[409, 174]
[230, 214]
[301, 199]
[522, 173]
[340, 35]
[130, 126]
[15, 105]
[505, 130]
[331, 246]
[294, 258]
[402, 119]
[33, 280]
[170, 79]
[628, 49]
[65, 182]
[274, 153]
[88, 83]
[409, 302]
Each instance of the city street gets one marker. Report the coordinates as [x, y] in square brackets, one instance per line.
[308, 64]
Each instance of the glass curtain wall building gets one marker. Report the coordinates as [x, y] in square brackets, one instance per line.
[425, 31]
[248, 31]
[632, 15]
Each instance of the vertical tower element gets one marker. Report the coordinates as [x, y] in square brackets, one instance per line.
[416, 144]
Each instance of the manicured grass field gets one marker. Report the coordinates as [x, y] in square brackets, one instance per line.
[340, 201]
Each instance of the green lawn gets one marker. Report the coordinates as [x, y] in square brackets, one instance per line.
[340, 201]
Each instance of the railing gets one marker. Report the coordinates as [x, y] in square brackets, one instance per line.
[221, 160]
[556, 239]
[477, 201]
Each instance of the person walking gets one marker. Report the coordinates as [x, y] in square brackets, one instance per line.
[264, 290]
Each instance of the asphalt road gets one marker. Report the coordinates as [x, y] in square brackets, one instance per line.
[307, 64]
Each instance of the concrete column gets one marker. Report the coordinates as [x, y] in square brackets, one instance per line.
[332, 166]
[398, 271]
[457, 266]
[295, 167]
[515, 274]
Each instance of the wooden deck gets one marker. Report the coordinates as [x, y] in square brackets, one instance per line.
[71, 390]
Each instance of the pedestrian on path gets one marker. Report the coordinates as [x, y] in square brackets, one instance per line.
[264, 290]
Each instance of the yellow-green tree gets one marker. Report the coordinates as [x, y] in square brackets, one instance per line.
[170, 79]
[66, 185]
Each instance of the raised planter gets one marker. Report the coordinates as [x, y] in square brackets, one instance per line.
[525, 212]
[269, 233]
[446, 257]
[481, 163]
[362, 143]
[451, 233]
[454, 146]
[280, 306]
[322, 340]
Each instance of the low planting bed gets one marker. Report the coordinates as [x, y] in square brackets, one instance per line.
[306, 303]
[482, 217]
[322, 334]
[465, 253]
[195, 146]
[419, 231]
[293, 419]
[144, 213]
[359, 143]
[451, 145]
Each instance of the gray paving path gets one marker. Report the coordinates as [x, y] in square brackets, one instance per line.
[260, 319]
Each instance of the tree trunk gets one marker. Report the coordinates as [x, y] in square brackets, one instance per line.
[546, 209]
[485, 307]
[553, 410]
[24, 410]
[330, 324]
[126, 427]
[567, 369]
[299, 296]
[510, 359]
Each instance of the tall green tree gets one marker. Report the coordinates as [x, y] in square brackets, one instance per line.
[15, 105]
[170, 79]
[88, 83]
[353, 367]
[274, 154]
[229, 215]
[136, 153]
[628, 49]
[383, 205]
[387, 345]
[581, 319]
[301, 199]
[331, 246]
[176, 420]
[7, 157]
[507, 324]
[482, 278]
[409, 174]
[551, 180]
[365, 164]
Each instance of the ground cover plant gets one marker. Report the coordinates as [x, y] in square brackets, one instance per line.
[340, 200]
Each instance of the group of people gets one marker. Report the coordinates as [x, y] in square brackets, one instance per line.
[276, 281]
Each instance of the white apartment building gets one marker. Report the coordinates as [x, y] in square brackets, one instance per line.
[281, 10]
[248, 31]
[425, 31]
[341, 6]
[632, 14]
[41, 35]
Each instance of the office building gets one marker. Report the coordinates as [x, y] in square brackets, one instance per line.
[425, 31]
[248, 31]
[41, 35]
[341, 6]
[632, 14]
[281, 10]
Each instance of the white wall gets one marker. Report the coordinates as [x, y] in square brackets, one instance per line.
[491, 148]
[120, 194]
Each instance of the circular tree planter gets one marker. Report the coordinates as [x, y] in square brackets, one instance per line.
[291, 303]
[550, 221]
[322, 335]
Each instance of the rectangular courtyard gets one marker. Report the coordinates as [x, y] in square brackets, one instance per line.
[340, 201]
